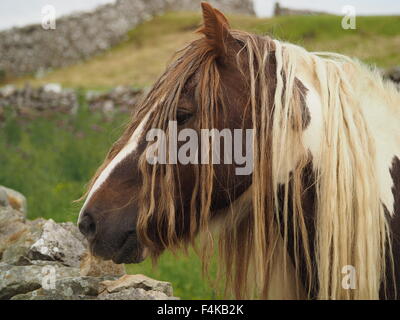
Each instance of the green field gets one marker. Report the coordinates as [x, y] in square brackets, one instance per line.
[50, 160]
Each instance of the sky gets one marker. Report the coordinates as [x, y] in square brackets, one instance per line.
[22, 12]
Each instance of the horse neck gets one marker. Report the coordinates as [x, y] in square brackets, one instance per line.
[354, 118]
[381, 108]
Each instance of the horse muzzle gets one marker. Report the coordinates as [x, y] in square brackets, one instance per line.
[111, 241]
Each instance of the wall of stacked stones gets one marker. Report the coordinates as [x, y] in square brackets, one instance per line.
[29, 102]
[52, 98]
[79, 36]
[44, 260]
[283, 11]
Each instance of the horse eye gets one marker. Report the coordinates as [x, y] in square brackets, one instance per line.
[183, 116]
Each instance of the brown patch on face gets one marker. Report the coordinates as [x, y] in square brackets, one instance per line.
[393, 275]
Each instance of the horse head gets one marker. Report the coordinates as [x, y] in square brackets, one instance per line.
[294, 177]
[134, 208]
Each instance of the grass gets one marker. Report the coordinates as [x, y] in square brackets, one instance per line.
[143, 56]
[185, 273]
[51, 159]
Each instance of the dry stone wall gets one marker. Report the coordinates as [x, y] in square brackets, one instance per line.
[32, 49]
[52, 98]
[283, 11]
[45, 260]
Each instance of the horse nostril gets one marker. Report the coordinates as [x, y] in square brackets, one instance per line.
[87, 225]
[132, 233]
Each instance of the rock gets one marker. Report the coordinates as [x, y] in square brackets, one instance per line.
[92, 94]
[23, 242]
[8, 215]
[122, 99]
[52, 87]
[7, 91]
[12, 227]
[79, 286]
[282, 11]
[15, 199]
[3, 198]
[96, 267]
[73, 288]
[108, 107]
[136, 294]
[43, 295]
[31, 102]
[40, 260]
[71, 227]
[136, 282]
[88, 288]
[16, 252]
[16, 280]
[57, 244]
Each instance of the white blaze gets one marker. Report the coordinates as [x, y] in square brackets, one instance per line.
[127, 150]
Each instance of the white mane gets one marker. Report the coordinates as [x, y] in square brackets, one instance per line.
[353, 137]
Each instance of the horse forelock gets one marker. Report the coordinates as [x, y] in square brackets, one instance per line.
[142, 115]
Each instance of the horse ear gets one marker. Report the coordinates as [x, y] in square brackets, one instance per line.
[216, 29]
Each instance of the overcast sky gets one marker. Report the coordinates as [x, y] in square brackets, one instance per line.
[22, 12]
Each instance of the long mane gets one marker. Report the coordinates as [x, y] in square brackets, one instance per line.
[351, 227]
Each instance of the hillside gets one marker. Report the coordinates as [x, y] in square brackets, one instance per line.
[143, 56]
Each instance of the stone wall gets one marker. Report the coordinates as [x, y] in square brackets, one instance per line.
[282, 11]
[32, 49]
[30, 102]
[51, 99]
[45, 260]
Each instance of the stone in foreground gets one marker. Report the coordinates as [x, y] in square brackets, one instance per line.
[45, 260]
[136, 287]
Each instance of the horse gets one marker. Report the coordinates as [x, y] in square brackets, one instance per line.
[318, 217]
